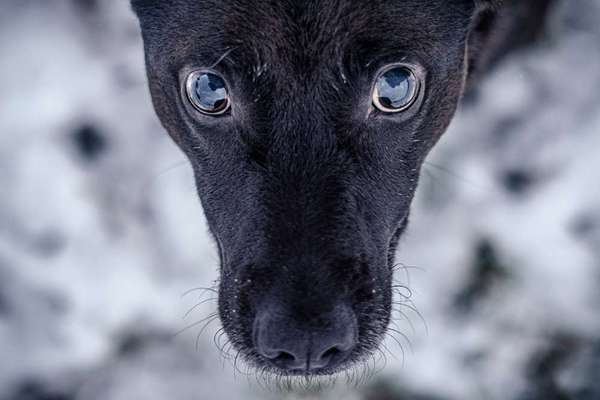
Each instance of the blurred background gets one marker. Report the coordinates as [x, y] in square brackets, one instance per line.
[101, 232]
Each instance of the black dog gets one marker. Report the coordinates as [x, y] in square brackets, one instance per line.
[306, 123]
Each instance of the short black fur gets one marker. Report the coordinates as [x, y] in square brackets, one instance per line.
[306, 187]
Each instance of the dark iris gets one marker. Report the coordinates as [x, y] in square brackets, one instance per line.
[395, 90]
[208, 93]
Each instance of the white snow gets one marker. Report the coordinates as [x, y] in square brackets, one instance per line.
[88, 252]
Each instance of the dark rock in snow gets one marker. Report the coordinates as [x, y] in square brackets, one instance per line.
[544, 368]
[136, 342]
[37, 390]
[584, 374]
[517, 181]
[486, 271]
[90, 142]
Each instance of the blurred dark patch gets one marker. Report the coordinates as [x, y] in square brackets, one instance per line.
[56, 302]
[136, 342]
[90, 142]
[124, 77]
[589, 387]
[581, 377]
[386, 390]
[474, 359]
[471, 97]
[573, 19]
[584, 226]
[49, 244]
[544, 368]
[86, 6]
[531, 17]
[4, 305]
[504, 129]
[36, 390]
[486, 271]
[517, 181]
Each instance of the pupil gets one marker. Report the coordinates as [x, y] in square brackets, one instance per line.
[210, 92]
[396, 88]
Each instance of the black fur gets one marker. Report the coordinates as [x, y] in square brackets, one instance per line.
[305, 186]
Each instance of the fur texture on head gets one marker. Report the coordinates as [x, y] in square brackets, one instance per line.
[305, 184]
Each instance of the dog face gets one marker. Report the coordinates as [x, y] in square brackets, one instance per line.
[306, 123]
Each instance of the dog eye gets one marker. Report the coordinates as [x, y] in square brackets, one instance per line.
[395, 90]
[207, 92]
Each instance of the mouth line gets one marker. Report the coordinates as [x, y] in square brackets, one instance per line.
[303, 372]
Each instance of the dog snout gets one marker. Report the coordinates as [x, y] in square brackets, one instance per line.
[305, 344]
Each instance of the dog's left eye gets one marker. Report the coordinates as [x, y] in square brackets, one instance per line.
[207, 92]
[396, 89]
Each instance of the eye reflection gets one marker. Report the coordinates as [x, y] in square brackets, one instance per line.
[207, 92]
[395, 90]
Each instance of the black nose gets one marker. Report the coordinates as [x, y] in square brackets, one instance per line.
[301, 344]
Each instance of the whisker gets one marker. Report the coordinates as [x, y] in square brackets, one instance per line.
[368, 375]
[398, 290]
[152, 180]
[212, 315]
[401, 335]
[224, 349]
[203, 289]
[217, 333]
[406, 269]
[395, 339]
[210, 321]
[385, 362]
[469, 182]
[198, 305]
[235, 365]
[388, 350]
[411, 306]
[405, 318]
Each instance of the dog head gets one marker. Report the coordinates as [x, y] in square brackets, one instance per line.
[306, 123]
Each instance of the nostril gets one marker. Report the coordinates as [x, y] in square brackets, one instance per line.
[288, 343]
[285, 360]
[329, 357]
[332, 352]
[284, 357]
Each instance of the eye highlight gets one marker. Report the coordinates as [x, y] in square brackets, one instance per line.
[396, 89]
[207, 92]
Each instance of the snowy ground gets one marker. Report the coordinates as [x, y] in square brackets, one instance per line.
[101, 231]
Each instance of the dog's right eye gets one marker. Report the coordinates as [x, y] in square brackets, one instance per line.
[207, 92]
[396, 89]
